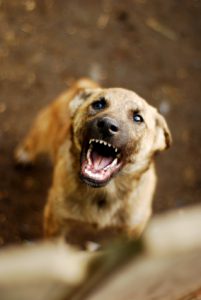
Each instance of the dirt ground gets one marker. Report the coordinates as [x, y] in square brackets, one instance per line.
[152, 47]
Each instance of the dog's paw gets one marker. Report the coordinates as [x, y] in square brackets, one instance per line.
[22, 158]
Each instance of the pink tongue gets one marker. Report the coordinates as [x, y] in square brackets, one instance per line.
[100, 162]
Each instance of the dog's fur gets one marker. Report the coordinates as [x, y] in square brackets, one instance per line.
[84, 210]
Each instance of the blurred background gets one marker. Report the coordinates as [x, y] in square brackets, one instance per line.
[151, 47]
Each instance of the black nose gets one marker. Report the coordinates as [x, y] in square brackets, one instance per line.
[108, 126]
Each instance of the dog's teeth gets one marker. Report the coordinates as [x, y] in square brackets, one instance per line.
[101, 142]
[109, 145]
[88, 172]
[105, 143]
[116, 150]
[90, 141]
[88, 156]
[114, 162]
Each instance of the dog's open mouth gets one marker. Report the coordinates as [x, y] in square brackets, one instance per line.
[101, 161]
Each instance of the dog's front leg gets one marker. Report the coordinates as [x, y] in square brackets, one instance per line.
[51, 226]
[56, 212]
[139, 207]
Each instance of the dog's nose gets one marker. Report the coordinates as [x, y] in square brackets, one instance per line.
[108, 126]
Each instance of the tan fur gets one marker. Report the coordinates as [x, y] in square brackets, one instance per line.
[124, 205]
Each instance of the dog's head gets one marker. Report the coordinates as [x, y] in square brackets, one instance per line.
[115, 130]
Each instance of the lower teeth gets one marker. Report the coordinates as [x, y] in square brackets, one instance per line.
[112, 164]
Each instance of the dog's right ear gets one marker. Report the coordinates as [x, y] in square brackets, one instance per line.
[78, 99]
[163, 138]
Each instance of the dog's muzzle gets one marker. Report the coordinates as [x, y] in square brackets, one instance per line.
[101, 156]
[107, 126]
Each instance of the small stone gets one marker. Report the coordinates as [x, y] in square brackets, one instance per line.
[164, 107]
[97, 73]
[189, 176]
[30, 5]
[29, 183]
[2, 107]
[1, 241]
[102, 21]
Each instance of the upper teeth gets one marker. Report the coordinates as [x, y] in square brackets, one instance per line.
[103, 142]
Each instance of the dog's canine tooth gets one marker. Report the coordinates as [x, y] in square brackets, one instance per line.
[88, 155]
[116, 150]
[112, 165]
[114, 162]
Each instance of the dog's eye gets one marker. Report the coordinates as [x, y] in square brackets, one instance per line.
[137, 118]
[99, 104]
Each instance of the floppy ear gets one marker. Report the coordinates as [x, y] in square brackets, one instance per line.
[78, 99]
[163, 138]
[81, 90]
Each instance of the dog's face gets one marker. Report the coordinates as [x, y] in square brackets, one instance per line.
[114, 130]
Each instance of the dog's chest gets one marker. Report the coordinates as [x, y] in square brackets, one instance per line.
[82, 232]
[97, 208]
[92, 219]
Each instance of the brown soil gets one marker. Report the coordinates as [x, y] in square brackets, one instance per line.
[152, 47]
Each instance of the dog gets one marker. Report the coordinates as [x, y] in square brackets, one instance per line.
[102, 142]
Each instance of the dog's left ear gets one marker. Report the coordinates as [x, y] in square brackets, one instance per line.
[163, 138]
[79, 98]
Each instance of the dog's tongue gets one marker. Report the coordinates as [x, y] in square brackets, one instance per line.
[99, 161]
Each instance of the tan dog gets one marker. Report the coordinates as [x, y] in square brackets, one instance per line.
[102, 142]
